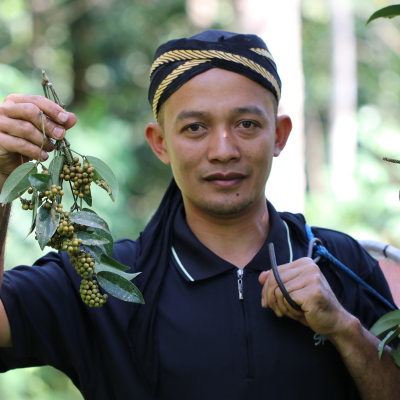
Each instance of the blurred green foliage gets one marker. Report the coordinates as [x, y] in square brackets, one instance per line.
[98, 54]
[374, 214]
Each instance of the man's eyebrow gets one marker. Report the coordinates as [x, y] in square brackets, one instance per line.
[248, 110]
[192, 114]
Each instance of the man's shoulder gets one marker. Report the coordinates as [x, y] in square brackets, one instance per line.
[329, 237]
[126, 251]
[347, 250]
[341, 245]
[334, 236]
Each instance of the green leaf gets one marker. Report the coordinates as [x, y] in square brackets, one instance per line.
[389, 337]
[55, 169]
[89, 210]
[89, 219]
[386, 323]
[91, 239]
[109, 261]
[46, 225]
[395, 353]
[108, 247]
[40, 181]
[17, 183]
[103, 173]
[387, 12]
[109, 264]
[96, 252]
[87, 198]
[119, 287]
[35, 204]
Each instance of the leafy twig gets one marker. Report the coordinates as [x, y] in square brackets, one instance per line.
[392, 160]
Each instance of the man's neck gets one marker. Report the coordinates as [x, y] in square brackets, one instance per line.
[236, 239]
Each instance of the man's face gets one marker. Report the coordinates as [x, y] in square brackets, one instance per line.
[220, 137]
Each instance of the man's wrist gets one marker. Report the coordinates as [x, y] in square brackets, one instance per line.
[347, 333]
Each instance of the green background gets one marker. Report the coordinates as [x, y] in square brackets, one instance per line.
[98, 55]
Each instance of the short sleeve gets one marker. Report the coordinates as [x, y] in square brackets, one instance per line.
[48, 324]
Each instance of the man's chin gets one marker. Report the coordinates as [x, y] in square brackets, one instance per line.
[226, 208]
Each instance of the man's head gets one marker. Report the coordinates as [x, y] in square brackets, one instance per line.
[219, 131]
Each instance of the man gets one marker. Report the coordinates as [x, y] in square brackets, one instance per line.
[203, 333]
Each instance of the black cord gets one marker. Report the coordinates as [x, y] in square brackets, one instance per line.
[285, 293]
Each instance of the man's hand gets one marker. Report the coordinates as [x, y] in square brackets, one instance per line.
[21, 133]
[376, 379]
[320, 309]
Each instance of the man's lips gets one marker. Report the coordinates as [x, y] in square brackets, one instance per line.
[225, 180]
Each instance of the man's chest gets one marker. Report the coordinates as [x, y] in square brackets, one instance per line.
[221, 346]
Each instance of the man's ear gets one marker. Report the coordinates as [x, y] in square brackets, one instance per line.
[283, 129]
[155, 137]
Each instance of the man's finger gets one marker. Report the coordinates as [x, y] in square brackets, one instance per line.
[292, 313]
[263, 277]
[24, 130]
[51, 109]
[18, 145]
[14, 115]
[281, 308]
[286, 275]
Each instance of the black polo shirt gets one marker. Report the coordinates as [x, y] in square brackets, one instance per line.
[214, 339]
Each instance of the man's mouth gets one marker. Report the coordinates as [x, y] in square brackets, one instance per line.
[225, 180]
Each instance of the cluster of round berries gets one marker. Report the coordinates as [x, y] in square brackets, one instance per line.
[62, 240]
[26, 204]
[52, 196]
[65, 244]
[83, 263]
[90, 294]
[81, 176]
[65, 239]
[65, 227]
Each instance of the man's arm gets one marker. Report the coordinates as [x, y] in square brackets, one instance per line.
[321, 311]
[21, 137]
[4, 216]
[5, 333]
[375, 378]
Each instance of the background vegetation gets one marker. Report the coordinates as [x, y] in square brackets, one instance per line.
[98, 53]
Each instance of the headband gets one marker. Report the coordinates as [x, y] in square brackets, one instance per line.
[178, 61]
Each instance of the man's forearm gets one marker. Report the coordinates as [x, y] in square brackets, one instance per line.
[376, 379]
[4, 217]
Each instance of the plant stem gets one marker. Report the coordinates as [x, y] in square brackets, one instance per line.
[83, 157]
[44, 136]
[74, 206]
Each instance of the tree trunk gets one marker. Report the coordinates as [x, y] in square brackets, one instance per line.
[343, 126]
[279, 24]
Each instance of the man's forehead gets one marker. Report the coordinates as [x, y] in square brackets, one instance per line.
[217, 93]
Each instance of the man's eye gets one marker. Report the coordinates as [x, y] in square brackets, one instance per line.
[194, 127]
[247, 124]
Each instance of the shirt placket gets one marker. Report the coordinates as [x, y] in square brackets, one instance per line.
[248, 367]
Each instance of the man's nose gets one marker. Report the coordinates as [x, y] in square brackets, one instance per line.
[223, 146]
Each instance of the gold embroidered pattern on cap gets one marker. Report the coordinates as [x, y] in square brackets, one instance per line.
[173, 75]
[263, 52]
[196, 57]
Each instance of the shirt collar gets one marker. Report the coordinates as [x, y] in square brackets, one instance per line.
[196, 262]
